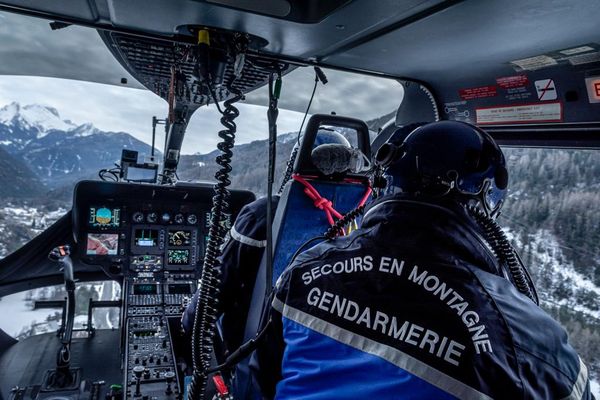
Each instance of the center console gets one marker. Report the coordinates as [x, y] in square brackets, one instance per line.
[153, 238]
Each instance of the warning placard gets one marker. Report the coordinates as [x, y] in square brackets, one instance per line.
[510, 82]
[546, 89]
[478, 92]
[526, 113]
[535, 63]
[593, 88]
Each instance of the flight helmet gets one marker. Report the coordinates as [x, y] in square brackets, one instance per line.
[447, 158]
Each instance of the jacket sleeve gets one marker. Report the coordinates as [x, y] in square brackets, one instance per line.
[240, 260]
[233, 251]
[266, 360]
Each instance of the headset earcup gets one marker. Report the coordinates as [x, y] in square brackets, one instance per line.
[501, 177]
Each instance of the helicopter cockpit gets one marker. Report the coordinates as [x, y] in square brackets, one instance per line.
[527, 72]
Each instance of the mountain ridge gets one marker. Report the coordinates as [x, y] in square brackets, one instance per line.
[57, 151]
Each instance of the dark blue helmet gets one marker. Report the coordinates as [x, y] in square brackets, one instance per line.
[447, 158]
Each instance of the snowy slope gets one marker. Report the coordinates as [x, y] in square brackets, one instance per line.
[58, 151]
[34, 116]
[557, 281]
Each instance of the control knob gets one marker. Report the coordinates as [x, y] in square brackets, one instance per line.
[152, 217]
[138, 217]
[179, 219]
[192, 219]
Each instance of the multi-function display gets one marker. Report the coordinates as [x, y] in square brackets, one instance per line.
[146, 237]
[102, 244]
[104, 217]
[178, 257]
[180, 238]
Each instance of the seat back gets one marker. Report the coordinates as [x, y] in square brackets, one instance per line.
[298, 220]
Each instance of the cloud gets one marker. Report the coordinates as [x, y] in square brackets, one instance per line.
[349, 94]
[113, 108]
[31, 52]
[30, 47]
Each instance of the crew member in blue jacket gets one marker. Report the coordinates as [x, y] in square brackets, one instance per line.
[427, 300]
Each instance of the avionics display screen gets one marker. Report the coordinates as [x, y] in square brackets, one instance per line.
[180, 238]
[102, 244]
[104, 217]
[179, 288]
[146, 237]
[178, 257]
[145, 289]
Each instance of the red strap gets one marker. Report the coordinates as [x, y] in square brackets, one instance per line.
[323, 203]
[220, 385]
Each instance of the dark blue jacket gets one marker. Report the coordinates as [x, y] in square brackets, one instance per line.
[411, 306]
[242, 254]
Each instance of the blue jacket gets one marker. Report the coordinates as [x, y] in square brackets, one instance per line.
[241, 257]
[411, 306]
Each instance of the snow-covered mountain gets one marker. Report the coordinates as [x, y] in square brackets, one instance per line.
[58, 151]
[34, 119]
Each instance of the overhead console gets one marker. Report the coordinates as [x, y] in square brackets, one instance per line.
[154, 238]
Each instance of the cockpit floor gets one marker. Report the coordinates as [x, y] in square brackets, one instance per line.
[25, 363]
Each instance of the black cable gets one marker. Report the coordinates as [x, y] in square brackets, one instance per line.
[205, 317]
[272, 114]
[337, 228]
[289, 168]
[243, 351]
[112, 174]
[505, 253]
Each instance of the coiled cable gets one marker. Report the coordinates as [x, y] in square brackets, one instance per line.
[337, 228]
[505, 253]
[206, 314]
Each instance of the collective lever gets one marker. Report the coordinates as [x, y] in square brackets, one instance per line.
[138, 370]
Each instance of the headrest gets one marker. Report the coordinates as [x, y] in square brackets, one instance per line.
[304, 163]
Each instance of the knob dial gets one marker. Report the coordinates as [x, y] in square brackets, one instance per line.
[179, 219]
[165, 218]
[192, 219]
[152, 217]
[138, 217]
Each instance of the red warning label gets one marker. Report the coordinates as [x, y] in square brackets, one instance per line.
[478, 92]
[510, 82]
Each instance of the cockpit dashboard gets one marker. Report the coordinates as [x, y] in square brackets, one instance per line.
[151, 239]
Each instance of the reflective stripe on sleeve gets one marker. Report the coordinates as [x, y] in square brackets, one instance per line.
[580, 383]
[247, 240]
[388, 353]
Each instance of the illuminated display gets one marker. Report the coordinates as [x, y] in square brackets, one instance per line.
[178, 257]
[102, 244]
[180, 238]
[146, 237]
[178, 288]
[145, 289]
[104, 217]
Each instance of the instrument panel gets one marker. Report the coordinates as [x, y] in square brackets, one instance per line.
[153, 238]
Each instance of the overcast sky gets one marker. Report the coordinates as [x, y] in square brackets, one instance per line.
[29, 48]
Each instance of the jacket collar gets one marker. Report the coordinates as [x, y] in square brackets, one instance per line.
[442, 227]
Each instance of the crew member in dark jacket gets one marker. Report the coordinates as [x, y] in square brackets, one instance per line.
[241, 258]
[427, 300]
